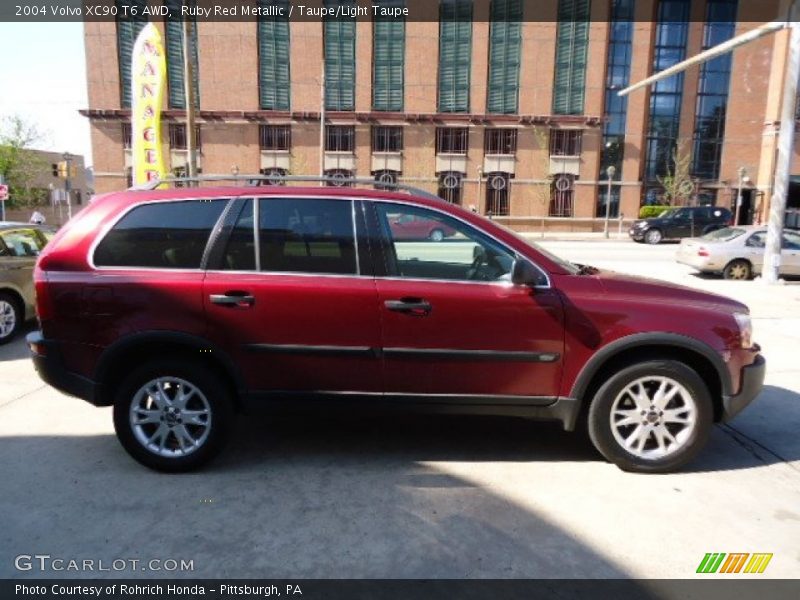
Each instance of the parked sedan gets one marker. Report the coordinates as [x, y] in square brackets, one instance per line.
[738, 252]
[20, 244]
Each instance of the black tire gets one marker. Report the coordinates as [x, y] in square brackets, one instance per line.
[212, 390]
[738, 269]
[12, 304]
[603, 436]
[437, 235]
[653, 236]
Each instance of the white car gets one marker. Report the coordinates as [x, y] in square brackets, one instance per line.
[738, 252]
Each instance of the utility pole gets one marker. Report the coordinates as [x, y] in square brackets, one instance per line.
[741, 172]
[610, 171]
[322, 125]
[188, 86]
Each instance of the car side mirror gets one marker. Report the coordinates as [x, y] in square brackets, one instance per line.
[524, 273]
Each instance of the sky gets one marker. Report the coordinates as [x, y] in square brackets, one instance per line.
[43, 79]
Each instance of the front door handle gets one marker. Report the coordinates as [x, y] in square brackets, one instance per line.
[233, 299]
[415, 307]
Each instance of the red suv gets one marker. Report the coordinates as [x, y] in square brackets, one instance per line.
[182, 307]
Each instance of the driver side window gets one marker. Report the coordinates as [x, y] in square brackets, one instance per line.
[439, 247]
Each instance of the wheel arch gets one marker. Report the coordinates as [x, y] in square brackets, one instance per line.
[118, 359]
[649, 346]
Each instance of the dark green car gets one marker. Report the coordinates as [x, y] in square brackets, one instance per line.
[20, 244]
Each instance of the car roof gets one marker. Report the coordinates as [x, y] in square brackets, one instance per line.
[5, 225]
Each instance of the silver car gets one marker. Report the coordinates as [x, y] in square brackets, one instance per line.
[738, 252]
[20, 244]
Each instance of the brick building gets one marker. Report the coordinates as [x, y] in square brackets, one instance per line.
[471, 99]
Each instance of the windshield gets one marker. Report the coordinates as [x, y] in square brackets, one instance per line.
[667, 213]
[723, 235]
[571, 268]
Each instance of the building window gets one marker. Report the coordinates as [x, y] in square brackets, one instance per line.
[177, 137]
[712, 91]
[339, 176]
[274, 85]
[451, 187]
[618, 72]
[565, 142]
[275, 137]
[339, 40]
[562, 196]
[388, 59]
[505, 41]
[340, 138]
[455, 53]
[127, 136]
[385, 179]
[273, 172]
[452, 140]
[497, 194]
[602, 194]
[128, 30]
[129, 177]
[666, 95]
[174, 41]
[500, 141]
[387, 139]
[572, 42]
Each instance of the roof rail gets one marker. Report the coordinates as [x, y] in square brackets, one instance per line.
[259, 180]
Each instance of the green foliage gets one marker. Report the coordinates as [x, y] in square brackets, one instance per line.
[648, 212]
[19, 165]
[677, 183]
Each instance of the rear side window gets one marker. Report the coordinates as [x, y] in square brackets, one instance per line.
[295, 235]
[165, 235]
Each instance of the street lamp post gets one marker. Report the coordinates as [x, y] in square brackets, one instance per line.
[610, 171]
[480, 177]
[67, 187]
[741, 173]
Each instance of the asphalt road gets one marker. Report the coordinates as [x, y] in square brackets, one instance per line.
[411, 497]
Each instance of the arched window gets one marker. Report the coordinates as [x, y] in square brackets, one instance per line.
[562, 196]
[497, 194]
[339, 177]
[385, 176]
[451, 186]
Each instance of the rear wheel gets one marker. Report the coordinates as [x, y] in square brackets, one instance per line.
[653, 236]
[437, 235]
[651, 417]
[738, 269]
[11, 317]
[172, 415]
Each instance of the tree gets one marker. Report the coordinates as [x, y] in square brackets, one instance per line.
[19, 164]
[677, 183]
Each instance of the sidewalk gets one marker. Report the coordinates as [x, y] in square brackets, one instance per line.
[575, 236]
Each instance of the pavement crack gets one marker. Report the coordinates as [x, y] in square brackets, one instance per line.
[750, 444]
[28, 393]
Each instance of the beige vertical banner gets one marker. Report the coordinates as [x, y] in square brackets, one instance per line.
[148, 82]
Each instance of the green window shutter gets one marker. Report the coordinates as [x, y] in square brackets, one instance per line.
[340, 61]
[572, 42]
[274, 81]
[127, 32]
[174, 48]
[505, 42]
[388, 61]
[455, 54]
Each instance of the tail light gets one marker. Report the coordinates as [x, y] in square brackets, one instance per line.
[44, 302]
[702, 252]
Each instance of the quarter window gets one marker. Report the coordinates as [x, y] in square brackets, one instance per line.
[423, 244]
[20, 243]
[167, 235]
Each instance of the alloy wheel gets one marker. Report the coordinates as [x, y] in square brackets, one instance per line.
[653, 417]
[8, 319]
[170, 417]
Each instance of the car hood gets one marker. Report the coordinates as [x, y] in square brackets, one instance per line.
[634, 287]
[653, 221]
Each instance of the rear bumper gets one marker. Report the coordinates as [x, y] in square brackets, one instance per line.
[752, 383]
[49, 365]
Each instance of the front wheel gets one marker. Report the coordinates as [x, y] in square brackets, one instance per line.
[651, 417]
[437, 235]
[172, 415]
[653, 236]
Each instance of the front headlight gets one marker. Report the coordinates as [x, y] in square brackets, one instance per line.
[745, 329]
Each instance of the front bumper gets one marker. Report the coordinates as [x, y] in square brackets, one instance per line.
[49, 365]
[636, 234]
[752, 382]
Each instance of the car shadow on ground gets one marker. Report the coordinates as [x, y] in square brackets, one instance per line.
[17, 348]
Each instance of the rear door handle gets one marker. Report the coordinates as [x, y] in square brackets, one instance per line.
[415, 307]
[234, 299]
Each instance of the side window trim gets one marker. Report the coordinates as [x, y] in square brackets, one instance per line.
[220, 236]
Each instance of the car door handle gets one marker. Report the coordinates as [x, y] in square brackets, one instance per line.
[233, 298]
[415, 307]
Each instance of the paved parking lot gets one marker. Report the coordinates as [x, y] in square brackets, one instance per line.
[417, 496]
